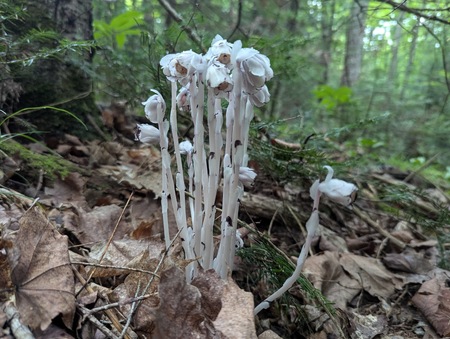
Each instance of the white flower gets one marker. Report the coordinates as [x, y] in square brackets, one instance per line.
[186, 147]
[148, 134]
[338, 190]
[183, 99]
[247, 175]
[155, 107]
[260, 97]
[181, 66]
[218, 77]
[255, 69]
[220, 50]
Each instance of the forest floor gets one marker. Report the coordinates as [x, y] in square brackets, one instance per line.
[98, 232]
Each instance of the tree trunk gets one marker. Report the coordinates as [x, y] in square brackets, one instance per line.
[63, 82]
[354, 43]
[409, 66]
[326, 24]
[392, 75]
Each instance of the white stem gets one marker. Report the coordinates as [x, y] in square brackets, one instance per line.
[311, 226]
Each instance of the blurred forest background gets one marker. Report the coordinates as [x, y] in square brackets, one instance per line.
[372, 75]
[367, 77]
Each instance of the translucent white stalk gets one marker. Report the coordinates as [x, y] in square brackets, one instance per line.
[211, 187]
[311, 226]
[197, 96]
[181, 211]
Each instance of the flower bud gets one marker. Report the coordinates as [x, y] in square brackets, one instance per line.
[147, 134]
[186, 147]
[218, 77]
[247, 175]
[255, 69]
[155, 107]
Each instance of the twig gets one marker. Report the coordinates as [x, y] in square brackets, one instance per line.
[108, 243]
[130, 316]
[114, 267]
[378, 228]
[97, 129]
[421, 168]
[177, 17]
[18, 329]
[118, 304]
[238, 22]
[106, 331]
[139, 299]
[414, 11]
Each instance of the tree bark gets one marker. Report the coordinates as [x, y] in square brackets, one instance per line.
[354, 43]
[326, 24]
[63, 82]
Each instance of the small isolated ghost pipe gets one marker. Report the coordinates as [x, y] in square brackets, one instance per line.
[231, 75]
[337, 190]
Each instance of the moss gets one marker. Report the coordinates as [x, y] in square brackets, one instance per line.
[53, 165]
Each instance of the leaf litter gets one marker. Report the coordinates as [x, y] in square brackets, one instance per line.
[139, 290]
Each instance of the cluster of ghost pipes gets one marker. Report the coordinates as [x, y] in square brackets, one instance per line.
[237, 76]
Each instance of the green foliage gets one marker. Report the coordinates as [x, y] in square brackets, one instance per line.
[119, 29]
[332, 97]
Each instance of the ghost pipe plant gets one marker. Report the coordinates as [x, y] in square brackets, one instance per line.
[337, 190]
[227, 74]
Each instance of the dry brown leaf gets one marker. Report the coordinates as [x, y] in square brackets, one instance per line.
[180, 314]
[68, 190]
[41, 273]
[327, 275]
[411, 260]
[122, 253]
[208, 308]
[236, 319]
[374, 277]
[433, 300]
[340, 277]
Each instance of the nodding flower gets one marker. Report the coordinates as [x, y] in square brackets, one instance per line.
[181, 66]
[255, 69]
[147, 134]
[218, 78]
[338, 190]
[186, 147]
[247, 175]
[183, 99]
[155, 106]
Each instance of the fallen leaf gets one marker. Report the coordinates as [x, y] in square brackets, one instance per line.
[180, 314]
[236, 319]
[411, 260]
[122, 253]
[433, 300]
[41, 273]
[342, 276]
[374, 277]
